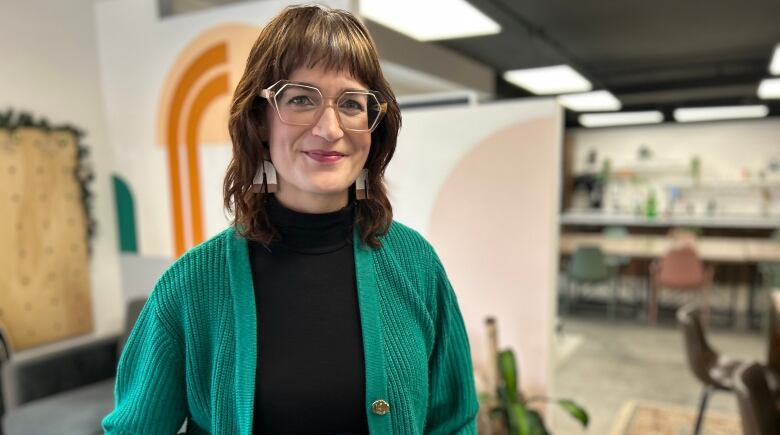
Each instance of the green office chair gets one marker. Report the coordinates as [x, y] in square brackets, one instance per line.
[770, 272]
[616, 232]
[588, 266]
[768, 278]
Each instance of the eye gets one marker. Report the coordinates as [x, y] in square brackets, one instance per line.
[352, 105]
[300, 100]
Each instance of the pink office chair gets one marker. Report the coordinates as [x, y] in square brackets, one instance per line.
[681, 270]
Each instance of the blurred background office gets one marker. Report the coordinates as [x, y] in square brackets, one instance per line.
[601, 179]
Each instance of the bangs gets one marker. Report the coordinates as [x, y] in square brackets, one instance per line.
[331, 41]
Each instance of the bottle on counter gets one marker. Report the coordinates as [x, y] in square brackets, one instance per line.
[651, 208]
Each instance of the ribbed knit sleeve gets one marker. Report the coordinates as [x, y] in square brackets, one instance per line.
[150, 386]
[453, 400]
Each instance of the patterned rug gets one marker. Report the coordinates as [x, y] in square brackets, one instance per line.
[654, 418]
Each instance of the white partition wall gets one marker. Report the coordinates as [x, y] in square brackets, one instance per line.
[482, 184]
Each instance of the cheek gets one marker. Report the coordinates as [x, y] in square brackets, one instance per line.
[363, 145]
[280, 145]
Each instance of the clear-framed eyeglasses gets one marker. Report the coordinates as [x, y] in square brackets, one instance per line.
[303, 104]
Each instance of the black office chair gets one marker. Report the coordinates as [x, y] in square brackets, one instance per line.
[5, 355]
[715, 371]
[757, 406]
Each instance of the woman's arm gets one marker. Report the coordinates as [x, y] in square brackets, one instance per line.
[453, 404]
[150, 384]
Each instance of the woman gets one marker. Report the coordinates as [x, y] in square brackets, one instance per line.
[315, 313]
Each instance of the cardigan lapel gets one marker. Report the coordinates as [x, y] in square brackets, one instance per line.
[243, 298]
[371, 323]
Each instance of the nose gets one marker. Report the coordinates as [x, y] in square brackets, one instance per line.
[327, 127]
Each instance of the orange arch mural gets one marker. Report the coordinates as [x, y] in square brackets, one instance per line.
[193, 111]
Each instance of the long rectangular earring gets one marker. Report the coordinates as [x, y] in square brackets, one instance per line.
[361, 185]
[265, 176]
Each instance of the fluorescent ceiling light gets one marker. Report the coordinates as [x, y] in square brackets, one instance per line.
[560, 79]
[595, 101]
[693, 114]
[621, 118]
[430, 20]
[769, 88]
[774, 65]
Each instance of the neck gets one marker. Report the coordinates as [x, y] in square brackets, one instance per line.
[313, 203]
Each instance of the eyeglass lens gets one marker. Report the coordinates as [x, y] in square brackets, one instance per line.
[302, 105]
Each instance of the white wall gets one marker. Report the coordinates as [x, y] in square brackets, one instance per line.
[728, 151]
[50, 69]
[482, 184]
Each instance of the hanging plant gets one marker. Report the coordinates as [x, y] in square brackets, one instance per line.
[82, 171]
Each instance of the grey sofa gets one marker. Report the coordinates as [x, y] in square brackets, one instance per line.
[64, 391]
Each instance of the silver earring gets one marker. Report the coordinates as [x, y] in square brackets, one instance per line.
[361, 185]
[265, 176]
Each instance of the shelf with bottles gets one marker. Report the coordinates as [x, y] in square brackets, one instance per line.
[738, 186]
[639, 169]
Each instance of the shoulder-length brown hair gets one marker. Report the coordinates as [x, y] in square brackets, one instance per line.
[306, 36]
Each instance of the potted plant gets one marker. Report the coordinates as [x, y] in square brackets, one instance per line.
[508, 411]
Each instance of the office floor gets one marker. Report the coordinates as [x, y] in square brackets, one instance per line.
[603, 364]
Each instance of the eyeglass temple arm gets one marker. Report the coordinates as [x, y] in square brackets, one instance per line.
[267, 93]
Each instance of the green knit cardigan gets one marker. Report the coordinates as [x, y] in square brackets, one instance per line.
[193, 351]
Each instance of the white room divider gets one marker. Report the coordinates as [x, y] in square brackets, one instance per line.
[482, 184]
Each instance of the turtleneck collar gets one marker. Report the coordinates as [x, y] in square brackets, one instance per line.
[310, 233]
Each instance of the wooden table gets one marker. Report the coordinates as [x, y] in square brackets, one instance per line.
[733, 250]
[714, 249]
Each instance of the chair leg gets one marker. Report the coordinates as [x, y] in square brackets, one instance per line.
[652, 305]
[612, 307]
[705, 395]
[640, 297]
[732, 302]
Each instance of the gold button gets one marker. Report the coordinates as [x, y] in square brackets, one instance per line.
[380, 407]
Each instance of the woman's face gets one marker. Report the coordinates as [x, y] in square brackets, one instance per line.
[317, 164]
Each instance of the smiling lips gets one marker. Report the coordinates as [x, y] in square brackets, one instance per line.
[323, 156]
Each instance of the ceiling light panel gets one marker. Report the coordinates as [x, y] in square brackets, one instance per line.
[596, 101]
[549, 80]
[769, 89]
[620, 118]
[694, 114]
[774, 65]
[430, 20]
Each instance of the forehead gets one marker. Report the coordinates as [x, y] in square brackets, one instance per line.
[327, 79]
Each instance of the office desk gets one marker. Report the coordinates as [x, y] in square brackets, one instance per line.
[713, 249]
[743, 252]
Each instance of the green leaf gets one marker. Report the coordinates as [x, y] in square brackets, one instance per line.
[536, 424]
[575, 411]
[507, 369]
[518, 420]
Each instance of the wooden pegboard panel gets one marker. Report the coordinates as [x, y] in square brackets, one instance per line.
[44, 263]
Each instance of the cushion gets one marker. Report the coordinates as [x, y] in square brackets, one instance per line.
[74, 412]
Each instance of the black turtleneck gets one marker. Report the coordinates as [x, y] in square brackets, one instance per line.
[310, 369]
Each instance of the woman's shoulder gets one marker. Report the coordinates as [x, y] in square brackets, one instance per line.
[405, 242]
[402, 236]
[205, 259]
[197, 278]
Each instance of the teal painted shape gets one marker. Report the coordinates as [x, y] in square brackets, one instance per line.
[125, 215]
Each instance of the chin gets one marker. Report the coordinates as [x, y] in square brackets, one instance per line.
[329, 190]
[329, 186]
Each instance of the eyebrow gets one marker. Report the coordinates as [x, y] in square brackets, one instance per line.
[342, 90]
